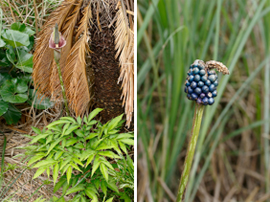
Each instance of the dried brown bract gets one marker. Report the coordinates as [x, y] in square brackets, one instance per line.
[212, 64]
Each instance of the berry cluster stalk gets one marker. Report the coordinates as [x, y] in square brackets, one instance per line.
[190, 152]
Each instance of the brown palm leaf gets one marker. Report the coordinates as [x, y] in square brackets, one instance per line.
[75, 73]
[124, 43]
[44, 75]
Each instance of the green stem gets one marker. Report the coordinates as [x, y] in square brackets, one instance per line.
[190, 152]
[62, 83]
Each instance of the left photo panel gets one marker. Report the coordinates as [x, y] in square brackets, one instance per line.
[67, 100]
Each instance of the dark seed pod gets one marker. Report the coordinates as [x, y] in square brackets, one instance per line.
[202, 81]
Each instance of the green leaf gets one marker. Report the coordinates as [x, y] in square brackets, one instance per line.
[91, 135]
[77, 161]
[123, 136]
[4, 62]
[90, 159]
[109, 154]
[38, 137]
[55, 172]
[22, 28]
[110, 199]
[59, 184]
[44, 163]
[15, 38]
[104, 171]
[39, 103]
[79, 187]
[91, 194]
[115, 146]
[75, 166]
[79, 120]
[113, 123]
[39, 172]
[2, 43]
[36, 130]
[112, 186]
[4, 77]
[3, 107]
[71, 141]
[58, 122]
[79, 133]
[94, 113]
[25, 61]
[69, 172]
[71, 129]
[13, 115]
[35, 159]
[69, 119]
[58, 154]
[127, 141]
[13, 91]
[123, 147]
[104, 187]
[95, 165]
[10, 54]
[54, 144]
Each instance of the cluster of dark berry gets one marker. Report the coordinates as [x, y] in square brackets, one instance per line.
[201, 85]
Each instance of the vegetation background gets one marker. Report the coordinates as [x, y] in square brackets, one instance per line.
[232, 157]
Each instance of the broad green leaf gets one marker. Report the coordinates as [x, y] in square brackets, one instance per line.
[35, 159]
[104, 145]
[104, 187]
[58, 154]
[79, 133]
[96, 164]
[10, 54]
[77, 161]
[2, 43]
[71, 141]
[112, 186]
[113, 123]
[3, 107]
[4, 77]
[24, 61]
[49, 139]
[55, 172]
[115, 146]
[123, 136]
[38, 137]
[110, 199]
[91, 194]
[104, 171]
[104, 161]
[39, 172]
[71, 129]
[54, 144]
[36, 130]
[58, 122]
[90, 159]
[65, 128]
[39, 102]
[79, 146]
[69, 172]
[64, 163]
[85, 154]
[78, 188]
[69, 119]
[13, 115]
[93, 114]
[123, 147]
[13, 91]
[22, 28]
[127, 141]
[75, 166]
[109, 154]
[44, 163]
[15, 38]
[79, 120]
[91, 135]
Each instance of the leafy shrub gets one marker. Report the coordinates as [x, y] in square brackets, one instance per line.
[15, 72]
[79, 149]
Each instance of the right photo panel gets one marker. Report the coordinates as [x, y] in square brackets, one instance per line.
[203, 101]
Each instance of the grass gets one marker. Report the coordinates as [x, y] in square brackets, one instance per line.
[171, 35]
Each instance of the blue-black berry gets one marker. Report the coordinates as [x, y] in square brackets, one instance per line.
[201, 83]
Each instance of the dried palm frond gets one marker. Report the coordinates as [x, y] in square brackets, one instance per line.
[124, 42]
[75, 73]
[43, 74]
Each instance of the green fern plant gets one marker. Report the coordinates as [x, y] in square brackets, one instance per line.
[84, 154]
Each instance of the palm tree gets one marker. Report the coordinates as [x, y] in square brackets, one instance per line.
[97, 62]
